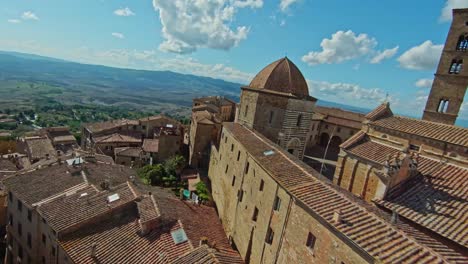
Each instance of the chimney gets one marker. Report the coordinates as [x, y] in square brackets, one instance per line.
[203, 241]
[394, 218]
[337, 216]
[92, 252]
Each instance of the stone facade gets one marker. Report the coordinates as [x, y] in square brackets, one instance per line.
[451, 78]
[208, 113]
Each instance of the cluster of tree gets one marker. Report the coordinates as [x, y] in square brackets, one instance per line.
[162, 174]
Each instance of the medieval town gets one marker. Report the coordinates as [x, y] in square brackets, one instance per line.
[273, 178]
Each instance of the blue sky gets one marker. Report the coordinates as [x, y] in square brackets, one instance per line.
[351, 52]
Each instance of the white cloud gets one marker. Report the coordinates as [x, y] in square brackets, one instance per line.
[118, 35]
[446, 14]
[282, 23]
[341, 47]
[386, 54]
[189, 25]
[124, 12]
[352, 94]
[14, 21]
[423, 83]
[28, 15]
[285, 4]
[422, 57]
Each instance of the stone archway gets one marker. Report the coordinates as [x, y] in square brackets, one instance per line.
[293, 146]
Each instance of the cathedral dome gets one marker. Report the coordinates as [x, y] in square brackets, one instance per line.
[281, 76]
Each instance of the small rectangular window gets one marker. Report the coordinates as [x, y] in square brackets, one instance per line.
[232, 147]
[20, 206]
[271, 117]
[29, 215]
[238, 155]
[414, 147]
[43, 239]
[277, 204]
[225, 140]
[240, 194]
[310, 241]
[233, 180]
[255, 214]
[247, 168]
[227, 167]
[270, 236]
[262, 183]
[20, 251]
[10, 196]
[29, 240]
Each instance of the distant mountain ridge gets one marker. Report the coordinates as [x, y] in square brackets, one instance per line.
[86, 83]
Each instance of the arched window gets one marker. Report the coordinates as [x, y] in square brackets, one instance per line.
[456, 66]
[443, 106]
[462, 43]
[299, 120]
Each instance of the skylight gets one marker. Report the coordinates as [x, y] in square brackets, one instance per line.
[75, 161]
[179, 236]
[112, 198]
[268, 152]
[169, 126]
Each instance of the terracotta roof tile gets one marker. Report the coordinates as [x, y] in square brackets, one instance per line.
[340, 117]
[362, 146]
[128, 152]
[69, 210]
[437, 199]
[436, 131]
[380, 111]
[281, 76]
[206, 255]
[151, 145]
[117, 138]
[40, 147]
[102, 126]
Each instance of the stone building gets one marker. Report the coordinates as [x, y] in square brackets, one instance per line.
[276, 209]
[451, 78]
[208, 114]
[277, 104]
[415, 167]
[331, 126]
[106, 137]
[99, 213]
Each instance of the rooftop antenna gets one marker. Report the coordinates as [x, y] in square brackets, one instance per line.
[386, 98]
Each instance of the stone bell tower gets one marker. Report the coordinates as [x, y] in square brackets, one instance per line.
[451, 78]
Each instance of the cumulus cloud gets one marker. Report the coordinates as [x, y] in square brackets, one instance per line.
[28, 15]
[422, 57]
[14, 21]
[423, 83]
[382, 55]
[347, 93]
[124, 12]
[118, 35]
[341, 47]
[285, 4]
[446, 14]
[189, 25]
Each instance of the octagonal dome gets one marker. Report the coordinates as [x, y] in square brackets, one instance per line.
[281, 76]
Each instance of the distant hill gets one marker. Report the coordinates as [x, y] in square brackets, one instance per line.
[28, 77]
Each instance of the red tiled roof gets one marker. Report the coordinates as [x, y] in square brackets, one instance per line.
[365, 148]
[340, 117]
[436, 131]
[380, 111]
[151, 145]
[353, 140]
[40, 147]
[362, 225]
[102, 126]
[205, 254]
[67, 211]
[117, 138]
[128, 152]
[118, 240]
[437, 199]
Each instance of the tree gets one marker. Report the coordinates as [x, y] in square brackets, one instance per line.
[202, 191]
[152, 174]
[174, 165]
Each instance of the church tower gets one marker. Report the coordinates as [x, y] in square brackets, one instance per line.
[277, 104]
[451, 78]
